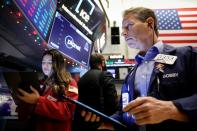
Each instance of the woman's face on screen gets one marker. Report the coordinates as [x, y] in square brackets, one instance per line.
[47, 65]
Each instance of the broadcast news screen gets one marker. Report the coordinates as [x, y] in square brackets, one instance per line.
[69, 40]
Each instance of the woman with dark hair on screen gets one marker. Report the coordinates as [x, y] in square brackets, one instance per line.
[51, 111]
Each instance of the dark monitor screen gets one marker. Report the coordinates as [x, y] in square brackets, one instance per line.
[86, 14]
[39, 12]
[66, 38]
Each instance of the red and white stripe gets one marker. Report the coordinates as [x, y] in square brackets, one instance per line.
[188, 34]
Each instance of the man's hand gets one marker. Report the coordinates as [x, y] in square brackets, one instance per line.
[89, 116]
[105, 126]
[31, 98]
[149, 110]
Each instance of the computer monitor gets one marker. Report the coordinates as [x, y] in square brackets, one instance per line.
[39, 13]
[86, 15]
[123, 71]
[112, 71]
[69, 40]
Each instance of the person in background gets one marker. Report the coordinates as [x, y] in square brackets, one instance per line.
[160, 92]
[97, 90]
[76, 76]
[51, 111]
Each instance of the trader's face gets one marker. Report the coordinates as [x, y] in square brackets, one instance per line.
[135, 32]
[104, 67]
[47, 65]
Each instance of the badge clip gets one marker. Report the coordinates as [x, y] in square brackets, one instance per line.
[166, 59]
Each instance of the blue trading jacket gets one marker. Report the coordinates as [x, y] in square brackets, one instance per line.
[177, 84]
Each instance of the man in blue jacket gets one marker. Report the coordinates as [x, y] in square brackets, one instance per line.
[160, 93]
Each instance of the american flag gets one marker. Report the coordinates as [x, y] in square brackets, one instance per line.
[177, 27]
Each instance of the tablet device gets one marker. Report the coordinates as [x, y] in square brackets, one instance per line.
[21, 80]
[88, 108]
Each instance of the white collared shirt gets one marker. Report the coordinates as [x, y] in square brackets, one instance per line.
[144, 72]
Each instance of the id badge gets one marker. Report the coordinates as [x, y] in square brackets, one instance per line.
[125, 99]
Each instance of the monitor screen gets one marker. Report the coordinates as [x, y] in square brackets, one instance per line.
[69, 40]
[39, 12]
[86, 14]
[6, 100]
[112, 71]
[123, 73]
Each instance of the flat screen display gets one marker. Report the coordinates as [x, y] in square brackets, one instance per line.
[69, 40]
[113, 72]
[122, 73]
[6, 100]
[40, 13]
[86, 13]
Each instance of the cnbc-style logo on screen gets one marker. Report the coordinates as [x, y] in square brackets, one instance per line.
[86, 47]
[69, 43]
